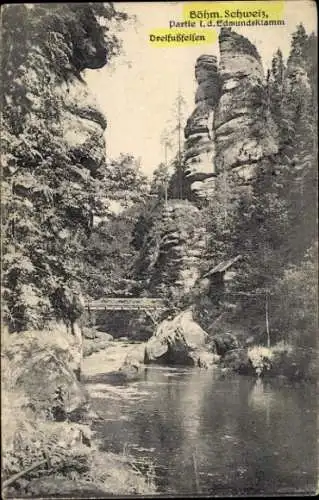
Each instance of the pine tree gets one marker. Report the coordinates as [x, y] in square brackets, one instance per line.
[276, 87]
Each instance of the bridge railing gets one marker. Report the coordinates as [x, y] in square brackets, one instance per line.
[129, 304]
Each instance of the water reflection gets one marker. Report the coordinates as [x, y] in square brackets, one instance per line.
[210, 434]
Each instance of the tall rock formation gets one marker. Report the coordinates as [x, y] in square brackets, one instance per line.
[230, 128]
[199, 144]
[171, 254]
[242, 125]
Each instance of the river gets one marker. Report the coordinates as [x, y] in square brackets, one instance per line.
[205, 432]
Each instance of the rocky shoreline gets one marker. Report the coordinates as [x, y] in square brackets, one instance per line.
[182, 341]
[49, 447]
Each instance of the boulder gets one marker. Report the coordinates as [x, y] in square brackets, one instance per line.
[132, 371]
[136, 354]
[224, 342]
[94, 333]
[175, 341]
[238, 361]
[133, 366]
[34, 357]
[97, 344]
[205, 359]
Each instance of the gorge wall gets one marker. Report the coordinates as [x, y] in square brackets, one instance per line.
[53, 148]
[229, 129]
[170, 256]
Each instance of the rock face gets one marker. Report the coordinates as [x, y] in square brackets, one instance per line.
[176, 341]
[241, 121]
[199, 144]
[73, 110]
[83, 125]
[64, 129]
[230, 126]
[171, 256]
[36, 356]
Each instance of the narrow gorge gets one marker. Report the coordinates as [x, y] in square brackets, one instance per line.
[159, 329]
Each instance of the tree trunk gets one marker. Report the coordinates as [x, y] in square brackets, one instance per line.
[267, 320]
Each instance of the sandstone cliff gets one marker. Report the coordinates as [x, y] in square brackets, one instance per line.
[53, 148]
[171, 253]
[230, 126]
[199, 134]
[241, 122]
[51, 74]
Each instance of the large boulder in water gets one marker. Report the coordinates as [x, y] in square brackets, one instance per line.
[133, 366]
[224, 342]
[175, 341]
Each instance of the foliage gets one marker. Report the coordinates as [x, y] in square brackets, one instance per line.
[295, 302]
[179, 186]
[260, 358]
[50, 190]
[109, 251]
[272, 222]
[160, 181]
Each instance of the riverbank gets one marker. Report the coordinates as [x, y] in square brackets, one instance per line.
[182, 341]
[206, 431]
[59, 437]
[48, 447]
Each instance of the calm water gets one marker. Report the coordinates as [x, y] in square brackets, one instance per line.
[206, 433]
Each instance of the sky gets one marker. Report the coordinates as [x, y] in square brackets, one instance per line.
[137, 90]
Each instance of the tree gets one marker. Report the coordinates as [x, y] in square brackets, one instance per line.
[276, 86]
[179, 186]
[179, 116]
[109, 252]
[125, 182]
[172, 140]
[160, 179]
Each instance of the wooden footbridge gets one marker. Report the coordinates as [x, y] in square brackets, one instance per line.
[147, 305]
[127, 304]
